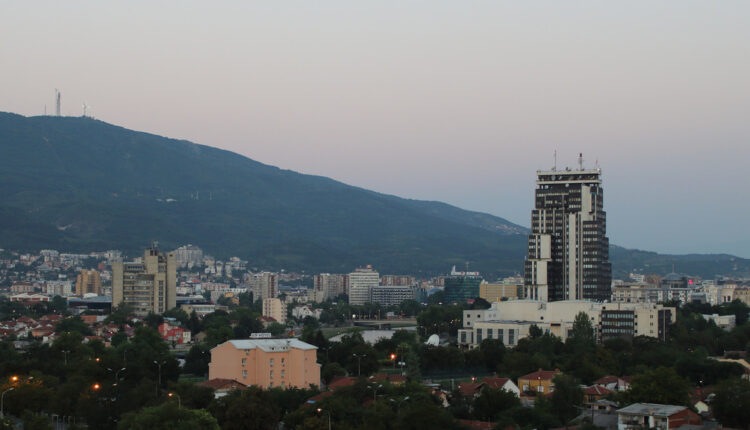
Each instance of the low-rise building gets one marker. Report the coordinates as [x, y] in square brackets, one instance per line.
[511, 321]
[655, 416]
[303, 312]
[267, 363]
[726, 322]
[174, 334]
[540, 381]
[500, 291]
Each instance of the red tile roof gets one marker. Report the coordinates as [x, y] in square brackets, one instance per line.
[222, 384]
[479, 425]
[540, 374]
[495, 383]
[342, 381]
[469, 388]
[596, 390]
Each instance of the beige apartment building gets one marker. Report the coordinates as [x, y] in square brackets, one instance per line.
[275, 309]
[148, 284]
[88, 282]
[267, 363]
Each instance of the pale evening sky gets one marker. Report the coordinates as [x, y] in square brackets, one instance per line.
[453, 101]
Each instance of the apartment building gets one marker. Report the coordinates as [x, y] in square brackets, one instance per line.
[148, 284]
[267, 363]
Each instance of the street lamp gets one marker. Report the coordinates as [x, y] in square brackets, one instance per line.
[329, 417]
[359, 363]
[14, 378]
[66, 352]
[179, 400]
[2, 401]
[158, 384]
[375, 392]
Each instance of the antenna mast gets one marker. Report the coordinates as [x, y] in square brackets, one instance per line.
[580, 160]
[554, 166]
[57, 102]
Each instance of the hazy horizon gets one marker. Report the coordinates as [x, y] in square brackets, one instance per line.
[460, 103]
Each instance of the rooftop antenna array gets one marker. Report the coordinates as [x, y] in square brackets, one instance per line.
[57, 102]
[554, 166]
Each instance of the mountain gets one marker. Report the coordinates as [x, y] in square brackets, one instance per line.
[80, 184]
[77, 184]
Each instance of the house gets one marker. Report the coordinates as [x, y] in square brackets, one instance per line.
[470, 389]
[614, 383]
[594, 393]
[222, 387]
[174, 334]
[539, 381]
[341, 381]
[655, 416]
[502, 384]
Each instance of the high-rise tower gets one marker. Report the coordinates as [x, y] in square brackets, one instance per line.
[568, 252]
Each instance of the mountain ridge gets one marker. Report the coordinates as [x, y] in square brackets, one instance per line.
[81, 184]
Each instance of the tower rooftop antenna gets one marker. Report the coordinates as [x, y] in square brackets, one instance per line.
[580, 161]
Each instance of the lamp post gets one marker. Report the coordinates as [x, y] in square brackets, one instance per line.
[2, 401]
[329, 417]
[66, 352]
[359, 363]
[158, 384]
[179, 400]
[375, 392]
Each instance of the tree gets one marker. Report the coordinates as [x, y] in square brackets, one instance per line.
[731, 406]
[248, 409]
[661, 385]
[73, 324]
[168, 416]
[32, 421]
[330, 371]
[196, 360]
[582, 336]
[492, 403]
[566, 398]
[535, 331]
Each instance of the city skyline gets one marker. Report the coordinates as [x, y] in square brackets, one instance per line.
[487, 94]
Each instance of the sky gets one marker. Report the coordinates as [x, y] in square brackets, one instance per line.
[460, 102]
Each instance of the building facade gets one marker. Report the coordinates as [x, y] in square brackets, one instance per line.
[568, 249]
[497, 292]
[461, 286]
[88, 282]
[392, 295]
[274, 308]
[148, 284]
[361, 283]
[263, 285]
[267, 363]
[327, 286]
[511, 321]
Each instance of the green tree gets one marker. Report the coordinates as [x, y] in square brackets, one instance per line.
[330, 371]
[73, 324]
[661, 385]
[582, 337]
[566, 398]
[168, 416]
[492, 403]
[248, 409]
[32, 421]
[731, 406]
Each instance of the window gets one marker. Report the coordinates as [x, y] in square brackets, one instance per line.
[244, 361]
[270, 362]
[271, 374]
[489, 333]
[270, 385]
[479, 335]
[283, 362]
[244, 374]
[283, 373]
[540, 388]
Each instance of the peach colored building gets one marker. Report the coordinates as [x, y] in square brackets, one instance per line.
[267, 363]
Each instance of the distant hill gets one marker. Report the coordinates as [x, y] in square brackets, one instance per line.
[78, 184]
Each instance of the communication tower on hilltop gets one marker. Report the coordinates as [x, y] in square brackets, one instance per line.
[57, 102]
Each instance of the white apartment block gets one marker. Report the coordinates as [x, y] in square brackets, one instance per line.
[511, 320]
[263, 285]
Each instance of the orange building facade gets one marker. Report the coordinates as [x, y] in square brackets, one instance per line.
[267, 363]
[88, 282]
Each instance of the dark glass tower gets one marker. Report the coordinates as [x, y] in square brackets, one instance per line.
[568, 252]
[461, 286]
